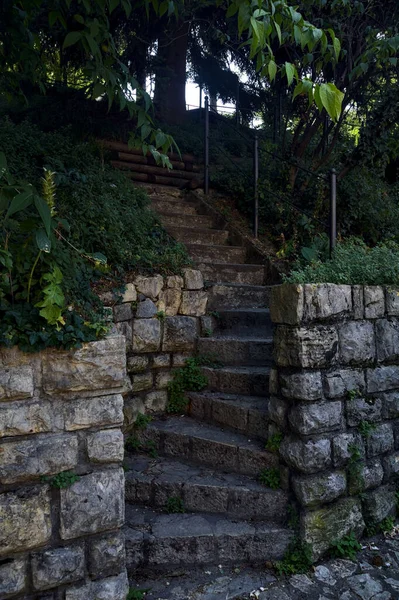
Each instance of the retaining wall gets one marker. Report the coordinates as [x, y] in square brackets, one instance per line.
[335, 397]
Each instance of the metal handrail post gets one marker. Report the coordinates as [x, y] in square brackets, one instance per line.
[256, 190]
[333, 210]
[206, 147]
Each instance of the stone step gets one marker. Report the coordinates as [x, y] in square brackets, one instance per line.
[154, 170]
[190, 440]
[173, 206]
[232, 273]
[229, 350]
[159, 190]
[222, 254]
[184, 220]
[245, 321]
[246, 414]
[154, 481]
[238, 295]
[162, 541]
[197, 235]
[248, 381]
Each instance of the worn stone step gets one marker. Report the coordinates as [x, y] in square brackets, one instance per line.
[244, 321]
[154, 481]
[172, 206]
[154, 170]
[152, 179]
[164, 541]
[232, 273]
[222, 254]
[160, 191]
[184, 220]
[238, 350]
[197, 235]
[248, 381]
[246, 414]
[238, 295]
[190, 440]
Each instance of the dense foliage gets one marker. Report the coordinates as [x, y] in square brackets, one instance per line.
[77, 220]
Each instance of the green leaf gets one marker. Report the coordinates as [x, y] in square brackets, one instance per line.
[337, 47]
[317, 98]
[298, 90]
[278, 30]
[112, 5]
[255, 27]
[272, 68]
[79, 19]
[3, 164]
[72, 38]
[44, 212]
[42, 241]
[20, 202]
[290, 72]
[231, 10]
[98, 90]
[331, 98]
[99, 257]
[52, 17]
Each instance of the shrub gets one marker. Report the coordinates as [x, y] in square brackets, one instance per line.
[352, 263]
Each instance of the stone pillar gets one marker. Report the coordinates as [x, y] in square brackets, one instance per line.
[61, 476]
[335, 397]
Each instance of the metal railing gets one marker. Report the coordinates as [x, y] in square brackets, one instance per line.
[332, 179]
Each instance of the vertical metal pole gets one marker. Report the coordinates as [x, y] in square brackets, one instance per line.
[200, 96]
[206, 147]
[333, 209]
[256, 191]
[238, 103]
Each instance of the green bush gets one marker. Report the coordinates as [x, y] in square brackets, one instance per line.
[352, 262]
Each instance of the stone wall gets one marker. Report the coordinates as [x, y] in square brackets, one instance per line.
[62, 412]
[335, 396]
[161, 318]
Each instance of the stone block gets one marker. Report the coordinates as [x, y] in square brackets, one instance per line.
[16, 382]
[136, 364]
[32, 458]
[57, 566]
[160, 361]
[193, 279]
[93, 504]
[273, 382]
[146, 335]
[358, 301]
[343, 444]
[391, 465]
[111, 588]
[379, 503]
[387, 340]
[105, 446]
[193, 303]
[326, 300]
[142, 381]
[365, 476]
[363, 409]
[392, 301]
[12, 577]
[130, 293]
[134, 548]
[319, 489]
[356, 342]
[174, 282]
[390, 405]
[94, 412]
[162, 379]
[308, 456]
[180, 334]
[339, 382]
[278, 410]
[25, 519]
[123, 312]
[149, 286]
[383, 379]
[125, 328]
[374, 301]
[96, 366]
[309, 419]
[286, 304]
[171, 299]
[156, 401]
[28, 417]
[306, 347]
[179, 360]
[146, 309]
[380, 440]
[321, 527]
[107, 555]
[306, 385]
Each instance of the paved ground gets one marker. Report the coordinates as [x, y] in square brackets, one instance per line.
[374, 576]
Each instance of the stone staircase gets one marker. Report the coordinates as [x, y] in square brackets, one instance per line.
[211, 458]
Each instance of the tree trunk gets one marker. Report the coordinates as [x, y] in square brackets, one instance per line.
[170, 76]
